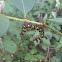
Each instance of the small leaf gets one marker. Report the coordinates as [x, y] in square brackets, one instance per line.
[58, 4]
[31, 39]
[45, 17]
[33, 51]
[54, 14]
[36, 43]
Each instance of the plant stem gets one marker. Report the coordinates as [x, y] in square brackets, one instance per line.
[57, 32]
[23, 20]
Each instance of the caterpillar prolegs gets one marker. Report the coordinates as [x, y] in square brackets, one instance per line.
[40, 28]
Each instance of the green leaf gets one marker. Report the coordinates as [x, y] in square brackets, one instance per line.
[38, 56]
[59, 20]
[54, 59]
[6, 38]
[30, 32]
[61, 40]
[24, 5]
[8, 58]
[36, 43]
[59, 56]
[44, 47]
[8, 8]
[29, 57]
[51, 1]
[57, 37]
[37, 12]
[45, 17]
[58, 4]
[19, 14]
[33, 51]
[48, 34]
[10, 46]
[53, 14]
[31, 39]
[0, 45]
[46, 41]
[14, 28]
[36, 34]
[57, 27]
[4, 24]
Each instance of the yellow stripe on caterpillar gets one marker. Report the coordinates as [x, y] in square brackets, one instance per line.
[37, 28]
[40, 29]
[24, 29]
[39, 37]
[24, 26]
[32, 27]
[28, 26]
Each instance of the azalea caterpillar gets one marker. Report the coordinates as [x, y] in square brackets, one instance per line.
[40, 28]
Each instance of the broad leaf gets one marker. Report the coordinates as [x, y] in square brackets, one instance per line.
[4, 24]
[24, 5]
[10, 46]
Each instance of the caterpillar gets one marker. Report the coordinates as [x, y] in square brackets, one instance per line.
[40, 28]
